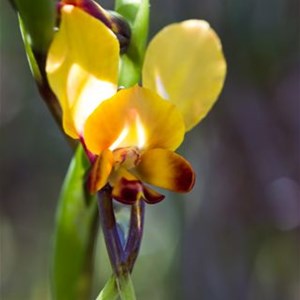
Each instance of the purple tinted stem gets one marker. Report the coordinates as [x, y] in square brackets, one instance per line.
[122, 261]
[135, 233]
[109, 226]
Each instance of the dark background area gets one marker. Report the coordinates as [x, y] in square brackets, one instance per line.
[236, 235]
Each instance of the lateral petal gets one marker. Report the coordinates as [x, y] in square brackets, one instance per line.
[184, 63]
[82, 66]
[166, 169]
[150, 196]
[100, 171]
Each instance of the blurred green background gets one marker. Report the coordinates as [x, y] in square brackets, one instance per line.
[236, 235]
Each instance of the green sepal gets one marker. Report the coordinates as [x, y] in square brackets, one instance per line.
[125, 287]
[118, 286]
[137, 15]
[75, 235]
[38, 18]
[110, 290]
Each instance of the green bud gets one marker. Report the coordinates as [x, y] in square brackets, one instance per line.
[136, 12]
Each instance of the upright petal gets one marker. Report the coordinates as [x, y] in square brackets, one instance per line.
[134, 117]
[165, 169]
[184, 63]
[82, 66]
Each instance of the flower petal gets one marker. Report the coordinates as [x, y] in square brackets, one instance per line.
[100, 171]
[126, 187]
[134, 117]
[184, 63]
[165, 169]
[82, 66]
[151, 196]
[127, 191]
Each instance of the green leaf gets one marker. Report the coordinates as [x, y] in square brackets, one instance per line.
[76, 228]
[30, 56]
[121, 286]
[136, 12]
[38, 18]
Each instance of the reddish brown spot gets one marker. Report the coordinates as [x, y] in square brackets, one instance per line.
[117, 24]
[94, 176]
[185, 180]
[151, 196]
[128, 191]
[90, 7]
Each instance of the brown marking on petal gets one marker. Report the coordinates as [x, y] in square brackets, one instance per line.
[151, 196]
[101, 168]
[185, 179]
[127, 191]
[90, 7]
[94, 176]
[165, 169]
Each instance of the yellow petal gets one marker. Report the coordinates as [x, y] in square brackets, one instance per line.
[82, 66]
[100, 171]
[166, 169]
[134, 117]
[184, 63]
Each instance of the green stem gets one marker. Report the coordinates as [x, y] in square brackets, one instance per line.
[125, 287]
[110, 290]
[115, 287]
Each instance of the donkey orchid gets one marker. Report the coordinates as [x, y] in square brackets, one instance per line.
[134, 132]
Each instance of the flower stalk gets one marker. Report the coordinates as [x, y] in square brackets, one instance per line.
[135, 233]
[110, 231]
[122, 260]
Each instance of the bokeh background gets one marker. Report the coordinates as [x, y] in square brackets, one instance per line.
[236, 236]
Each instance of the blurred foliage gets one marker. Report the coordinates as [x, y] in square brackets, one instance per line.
[236, 236]
[75, 234]
[39, 19]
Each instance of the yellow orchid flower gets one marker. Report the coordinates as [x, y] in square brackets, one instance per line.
[134, 132]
